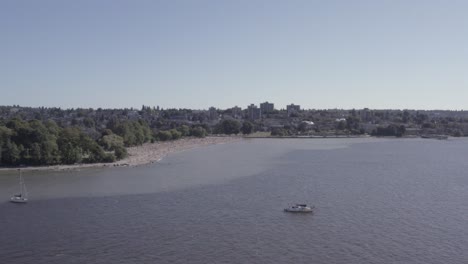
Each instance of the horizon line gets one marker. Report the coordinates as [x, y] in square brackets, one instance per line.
[218, 108]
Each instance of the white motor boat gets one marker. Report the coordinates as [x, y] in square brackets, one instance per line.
[22, 197]
[299, 208]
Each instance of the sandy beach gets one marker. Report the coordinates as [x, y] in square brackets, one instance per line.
[154, 152]
[144, 154]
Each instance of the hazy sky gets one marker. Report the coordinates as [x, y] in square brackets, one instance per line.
[197, 53]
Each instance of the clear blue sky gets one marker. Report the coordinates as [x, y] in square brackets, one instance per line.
[196, 54]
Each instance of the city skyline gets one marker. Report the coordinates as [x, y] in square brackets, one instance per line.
[237, 106]
[182, 54]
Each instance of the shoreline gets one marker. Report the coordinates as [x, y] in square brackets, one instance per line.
[147, 153]
[150, 153]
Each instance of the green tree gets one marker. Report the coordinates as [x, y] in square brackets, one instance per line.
[111, 142]
[107, 132]
[390, 130]
[184, 130]
[137, 130]
[164, 135]
[457, 133]
[341, 125]
[11, 153]
[124, 130]
[92, 152]
[279, 132]
[74, 146]
[247, 128]
[120, 152]
[108, 157]
[148, 135]
[5, 134]
[175, 134]
[70, 154]
[133, 132]
[400, 131]
[52, 127]
[69, 135]
[302, 127]
[50, 153]
[197, 131]
[88, 122]
[229, 127]
[36, 155]
[352, 122]
[22, 132]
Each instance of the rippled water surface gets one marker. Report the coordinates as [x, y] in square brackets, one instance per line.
[377, 201]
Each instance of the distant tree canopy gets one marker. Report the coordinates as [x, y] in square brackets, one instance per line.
[137, 126]
[228, 127]
[198, 132]
[302, 127]
[279, 132]
[132, 132]
[247, 128]
[174, 134]
[47, 136]
[164, 135]
[38, 142]
[341, 125]
[184, 130]
[390, 130]
[112, 141]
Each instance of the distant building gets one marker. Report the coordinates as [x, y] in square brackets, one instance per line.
[267, 107]
[253, 112]
[292, 108]
[213, 113]
[366, 114]
[236, 112]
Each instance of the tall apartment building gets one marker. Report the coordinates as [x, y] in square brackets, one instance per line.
[267, 107]
[253, 112]
[213, 113]
[292, 108]
[236, 112]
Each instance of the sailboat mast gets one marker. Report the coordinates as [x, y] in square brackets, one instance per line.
[22, 197]
[21, 182]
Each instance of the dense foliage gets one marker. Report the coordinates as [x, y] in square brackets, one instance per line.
[390, 130]
[183, 131]
[247, 128]
[47, 136]
[228, 127]
[38, 142]
[132, 132]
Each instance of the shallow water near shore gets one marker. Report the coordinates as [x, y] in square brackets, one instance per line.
[377, 200]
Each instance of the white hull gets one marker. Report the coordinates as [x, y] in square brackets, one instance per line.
[18, 200]
[304, 210]
[299, 208]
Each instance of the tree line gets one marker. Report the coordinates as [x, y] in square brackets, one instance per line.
[37, 142]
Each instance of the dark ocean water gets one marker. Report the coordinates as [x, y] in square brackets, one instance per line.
[377, 201]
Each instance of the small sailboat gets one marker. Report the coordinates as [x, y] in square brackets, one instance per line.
[22, 197]
[299, 208]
